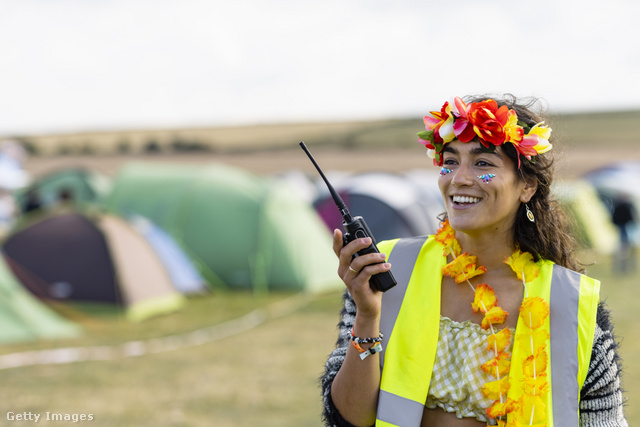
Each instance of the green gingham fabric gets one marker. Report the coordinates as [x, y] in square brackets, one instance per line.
[457, 379]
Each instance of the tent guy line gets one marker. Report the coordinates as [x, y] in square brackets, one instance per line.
[158, 345]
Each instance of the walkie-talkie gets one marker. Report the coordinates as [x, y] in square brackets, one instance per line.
[356, 228]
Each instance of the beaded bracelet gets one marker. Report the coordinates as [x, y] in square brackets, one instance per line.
[358, 340]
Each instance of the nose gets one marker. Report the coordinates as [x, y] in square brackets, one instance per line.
[462, 176]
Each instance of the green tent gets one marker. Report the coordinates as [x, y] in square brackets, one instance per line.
[83, 186]
[24, 318]
[241, 230]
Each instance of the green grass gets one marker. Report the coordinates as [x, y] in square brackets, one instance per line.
[266, 376]
[619, 291]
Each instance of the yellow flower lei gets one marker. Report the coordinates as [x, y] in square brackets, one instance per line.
[530, 408]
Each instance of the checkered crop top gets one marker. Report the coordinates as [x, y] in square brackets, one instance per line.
[457, 379]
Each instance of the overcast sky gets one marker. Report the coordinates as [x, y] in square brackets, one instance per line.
[75, 65]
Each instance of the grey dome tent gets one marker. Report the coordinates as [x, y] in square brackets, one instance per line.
[69, 257]
[392, 205]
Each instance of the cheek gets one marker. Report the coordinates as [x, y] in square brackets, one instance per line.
[443, 183]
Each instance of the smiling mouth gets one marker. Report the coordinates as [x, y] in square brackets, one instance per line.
[464, 200]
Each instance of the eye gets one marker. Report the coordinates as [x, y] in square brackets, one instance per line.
[449, 161]
[483, 163]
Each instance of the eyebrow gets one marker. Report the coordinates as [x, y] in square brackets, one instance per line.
[474, 151]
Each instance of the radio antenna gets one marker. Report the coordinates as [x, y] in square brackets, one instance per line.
[336, 197]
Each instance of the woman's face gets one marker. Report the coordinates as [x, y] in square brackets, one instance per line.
[477, 202]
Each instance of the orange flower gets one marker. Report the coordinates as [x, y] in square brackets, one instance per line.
[535, 366]
[494, 389]
[499, 341]
[499, 364]
[447, 236]
[463, 268]
[522, 264]
[484, 298]
[533, 311]
[500, 409]
[495, 316]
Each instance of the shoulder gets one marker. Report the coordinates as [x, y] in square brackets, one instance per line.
[605, 343]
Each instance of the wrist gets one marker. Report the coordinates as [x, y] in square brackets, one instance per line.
[366, 325]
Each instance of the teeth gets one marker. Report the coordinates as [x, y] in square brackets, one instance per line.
[464, 199]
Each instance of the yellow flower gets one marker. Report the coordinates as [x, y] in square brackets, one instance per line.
[533, 311]
[463, 268]
[499, 341]
[543, 132]
[533, 405]
[495, 316]
[535, 365]
[521, 422]
[538, 336]
[447, 236]
[484, 298]
[522, 263]
[494, 389]
[498, 365]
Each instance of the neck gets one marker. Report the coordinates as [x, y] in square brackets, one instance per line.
[491, 250]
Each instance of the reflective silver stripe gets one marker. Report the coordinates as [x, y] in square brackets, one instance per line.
[403, 257]
[398, 410]
[565, 298]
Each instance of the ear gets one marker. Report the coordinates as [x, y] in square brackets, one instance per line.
[529, 189]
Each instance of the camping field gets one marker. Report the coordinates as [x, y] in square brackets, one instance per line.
[264, 376]
[260, 359]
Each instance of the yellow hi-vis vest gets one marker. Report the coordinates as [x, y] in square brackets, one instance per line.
[410, 324]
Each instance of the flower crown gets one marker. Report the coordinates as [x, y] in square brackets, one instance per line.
[485, 121]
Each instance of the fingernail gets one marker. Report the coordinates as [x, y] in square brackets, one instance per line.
[383, 256]
[366, 240]
[386, 265]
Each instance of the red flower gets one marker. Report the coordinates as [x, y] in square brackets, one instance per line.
[489, 121]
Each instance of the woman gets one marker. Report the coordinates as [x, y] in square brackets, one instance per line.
[489, 323]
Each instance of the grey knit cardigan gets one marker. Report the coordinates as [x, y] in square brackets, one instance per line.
[601, 400]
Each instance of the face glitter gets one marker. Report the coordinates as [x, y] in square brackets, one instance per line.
[486, 177]
[444, 171]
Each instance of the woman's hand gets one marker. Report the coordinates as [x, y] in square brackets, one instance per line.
[356, 387]
[356, 273]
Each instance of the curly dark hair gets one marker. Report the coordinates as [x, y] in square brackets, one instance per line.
[549, 237]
